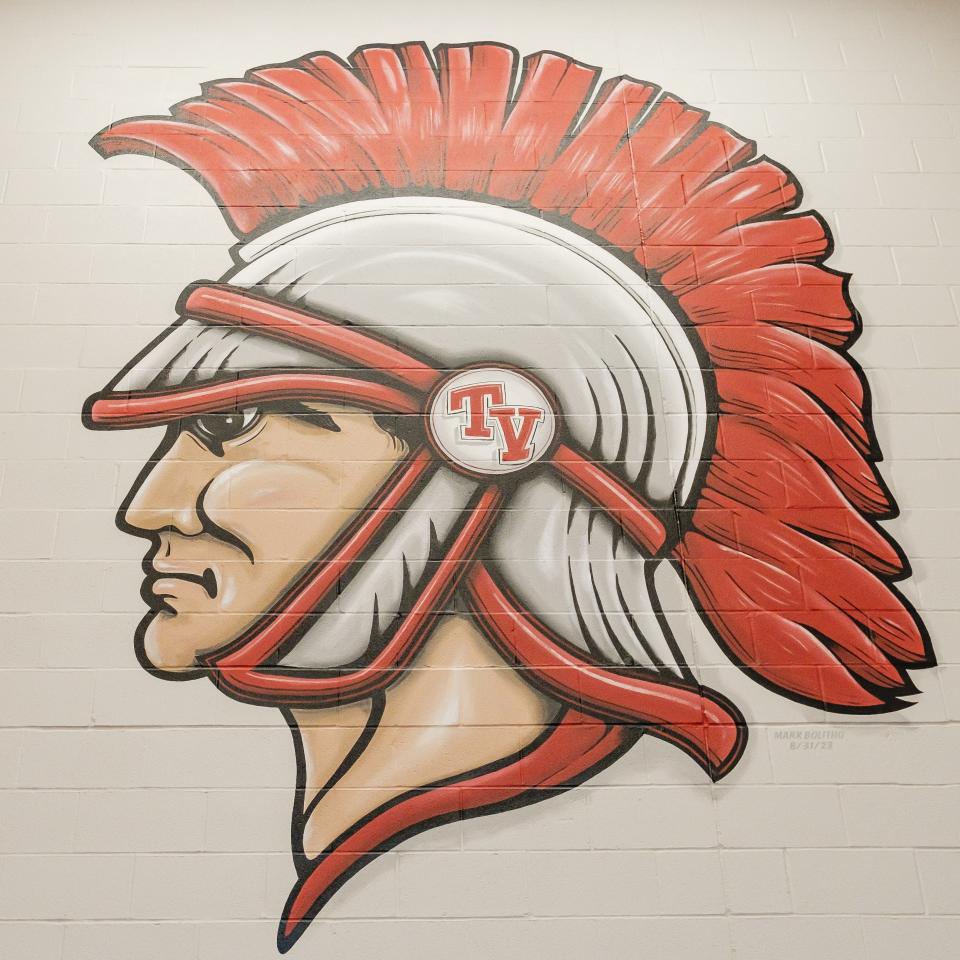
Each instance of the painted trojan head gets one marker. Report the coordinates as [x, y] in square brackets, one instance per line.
[504, 362]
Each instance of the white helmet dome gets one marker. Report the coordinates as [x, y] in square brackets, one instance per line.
[462, 282]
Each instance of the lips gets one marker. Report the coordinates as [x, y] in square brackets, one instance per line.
[163, 583]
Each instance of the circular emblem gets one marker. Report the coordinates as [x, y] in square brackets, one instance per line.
[491, 420]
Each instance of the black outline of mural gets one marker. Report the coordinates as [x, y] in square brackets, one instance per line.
[676, 521]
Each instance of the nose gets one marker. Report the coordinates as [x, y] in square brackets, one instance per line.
[169, 494]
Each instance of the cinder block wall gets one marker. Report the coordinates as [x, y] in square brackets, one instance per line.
[143, 819]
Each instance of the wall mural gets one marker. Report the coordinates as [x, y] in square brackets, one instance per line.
[508, 356]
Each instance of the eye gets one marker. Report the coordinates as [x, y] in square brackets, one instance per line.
[215, 429]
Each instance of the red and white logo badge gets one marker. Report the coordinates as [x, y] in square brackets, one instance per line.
[492, 420]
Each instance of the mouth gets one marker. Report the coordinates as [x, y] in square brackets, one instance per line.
[159, 587]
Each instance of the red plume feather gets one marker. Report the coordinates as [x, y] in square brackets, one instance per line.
[781, 548]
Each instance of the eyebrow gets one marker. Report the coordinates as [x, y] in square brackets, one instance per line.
[303, 411]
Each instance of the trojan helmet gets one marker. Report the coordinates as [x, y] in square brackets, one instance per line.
[627, 369]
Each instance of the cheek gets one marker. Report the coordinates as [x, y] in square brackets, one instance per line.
[283, 511]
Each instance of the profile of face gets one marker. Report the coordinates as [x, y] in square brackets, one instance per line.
[235, 505]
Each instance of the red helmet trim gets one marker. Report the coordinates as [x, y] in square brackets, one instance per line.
[697, 720]
[261, 642]
[237, 671]
[152, 409]
[618, 502]
[223, 303]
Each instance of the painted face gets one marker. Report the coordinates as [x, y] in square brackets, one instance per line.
[235, 506]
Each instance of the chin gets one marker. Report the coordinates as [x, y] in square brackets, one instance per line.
[166, 648]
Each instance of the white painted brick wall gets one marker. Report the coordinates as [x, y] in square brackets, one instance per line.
[142, 820]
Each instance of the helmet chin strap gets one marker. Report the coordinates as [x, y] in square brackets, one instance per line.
[237, 669]
[699, 721]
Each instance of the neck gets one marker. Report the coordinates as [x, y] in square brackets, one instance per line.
[459, 707]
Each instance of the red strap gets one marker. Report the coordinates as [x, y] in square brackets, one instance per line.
[699, 721]
[151, 409]
[622, 504]
[222, 303]
[238, 672]
[325, 573]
